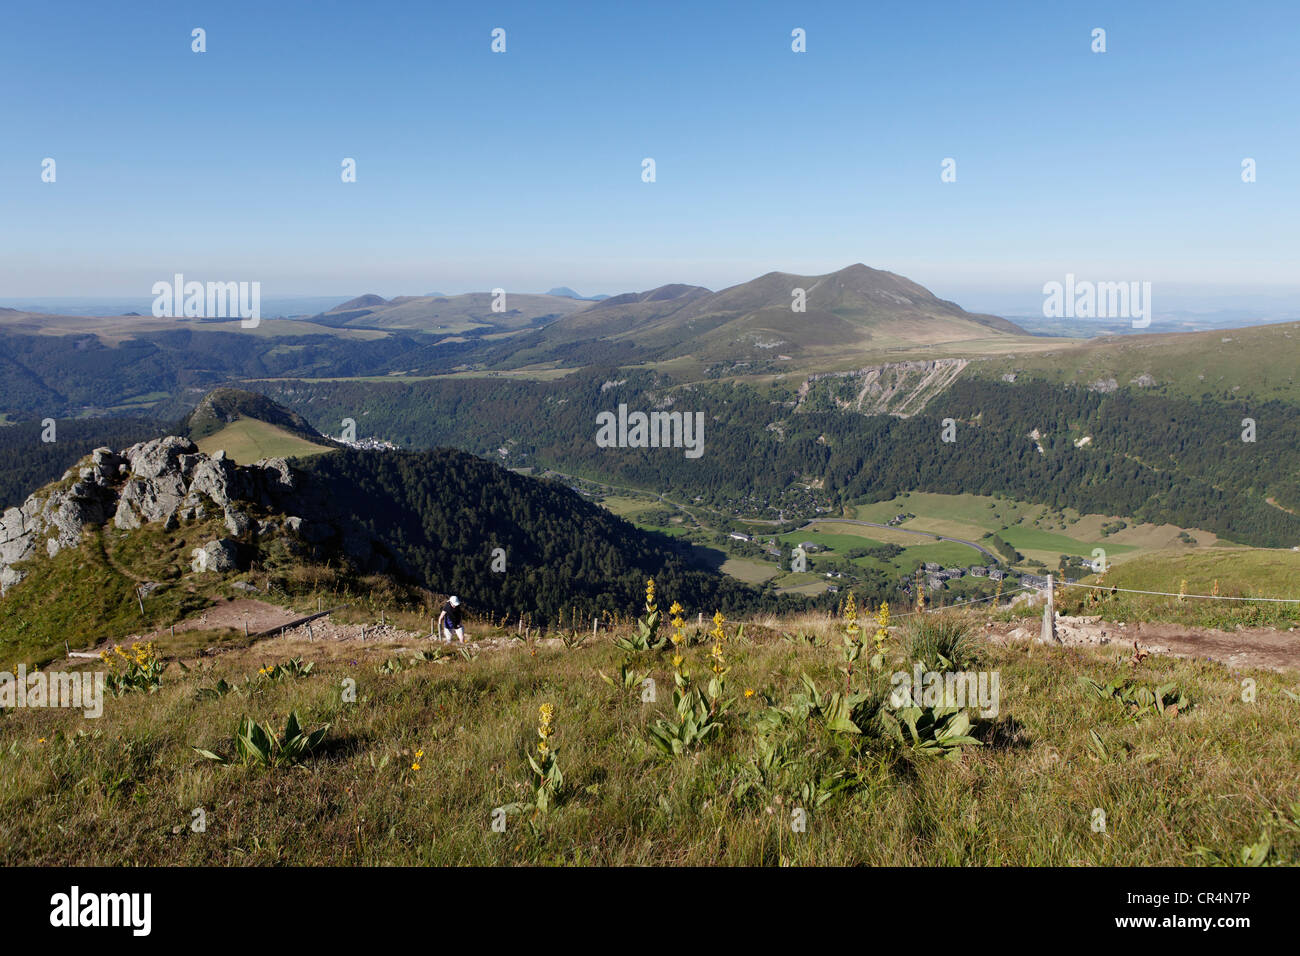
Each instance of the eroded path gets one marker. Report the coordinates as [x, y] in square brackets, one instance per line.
[1256, 647]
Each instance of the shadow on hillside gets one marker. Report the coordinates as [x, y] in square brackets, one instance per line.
[334, 749]
[1004, 733]
[698, 556]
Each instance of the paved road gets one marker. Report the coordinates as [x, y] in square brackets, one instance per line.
[924, 534]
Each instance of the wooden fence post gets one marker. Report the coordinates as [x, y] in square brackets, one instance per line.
[1048, 635]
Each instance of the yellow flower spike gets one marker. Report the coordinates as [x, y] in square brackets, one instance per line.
[415, 766]
[749, 692]
[419, 754]
[717, 661]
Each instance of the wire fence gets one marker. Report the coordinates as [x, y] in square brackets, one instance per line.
[1206, 597]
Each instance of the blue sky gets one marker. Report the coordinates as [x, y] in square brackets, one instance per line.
[523, 169]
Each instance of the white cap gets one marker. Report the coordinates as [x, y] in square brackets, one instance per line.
[454, 601]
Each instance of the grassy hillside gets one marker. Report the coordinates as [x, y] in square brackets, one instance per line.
[1228, 572]
[249, 440]
[1241, 571]
[412, 772]
[1257, 362]
[86, 595]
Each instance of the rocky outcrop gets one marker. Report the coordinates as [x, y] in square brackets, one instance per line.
[166, 481]
[52, 520]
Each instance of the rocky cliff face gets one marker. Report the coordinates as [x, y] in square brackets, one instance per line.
[165, 481]
[896, 388]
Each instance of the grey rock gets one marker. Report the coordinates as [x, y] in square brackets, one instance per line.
[220, 479]
[218, 555]
[8, 578]
[144, 501]
[107, 464]
[237, 523]
[277, 474]
[151, 459]
[67, 512]
[19, 549]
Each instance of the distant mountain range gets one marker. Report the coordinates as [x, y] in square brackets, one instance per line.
[776, 317]
[779, 324]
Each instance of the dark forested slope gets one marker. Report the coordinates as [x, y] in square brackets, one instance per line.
[440, 514]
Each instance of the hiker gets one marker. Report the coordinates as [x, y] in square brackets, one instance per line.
[449, 621]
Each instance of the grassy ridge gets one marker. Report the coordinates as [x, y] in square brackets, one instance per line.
[1257, 362]
[248, 440]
